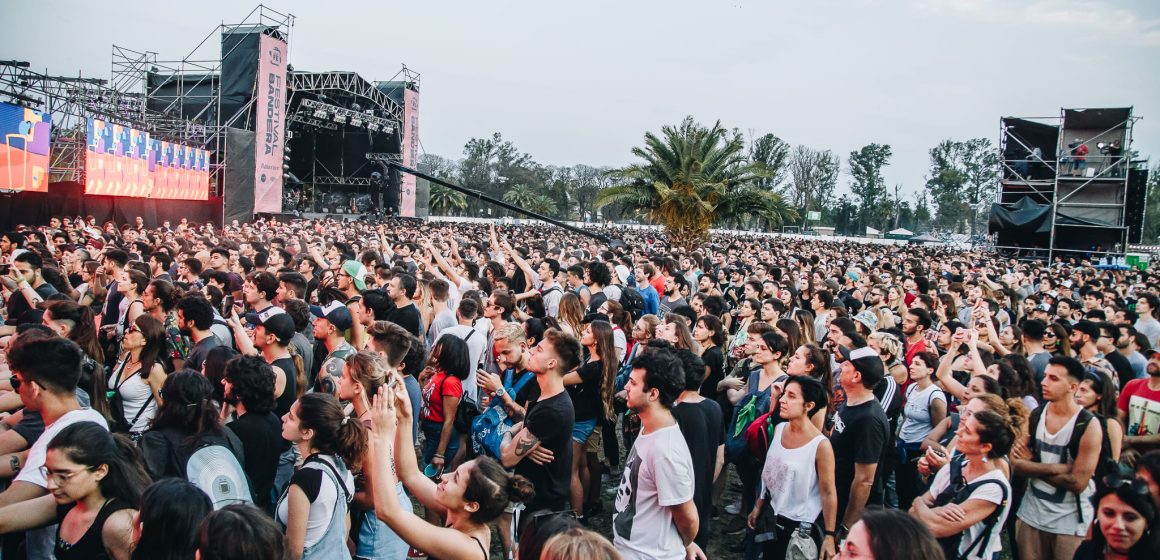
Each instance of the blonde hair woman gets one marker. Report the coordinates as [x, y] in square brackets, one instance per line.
[889, 348]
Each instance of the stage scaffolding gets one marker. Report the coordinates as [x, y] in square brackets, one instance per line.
[1044, 168]
[194, 114]
[190, 117]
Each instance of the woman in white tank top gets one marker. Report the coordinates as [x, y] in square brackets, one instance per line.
[138, 376]
[797, 482]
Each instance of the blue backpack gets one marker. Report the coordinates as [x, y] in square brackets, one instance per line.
[489, 428]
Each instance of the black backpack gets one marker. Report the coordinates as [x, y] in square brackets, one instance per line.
[958, 492]
[1104, 464]
[632, 301]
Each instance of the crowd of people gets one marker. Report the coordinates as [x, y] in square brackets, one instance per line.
[410, 389]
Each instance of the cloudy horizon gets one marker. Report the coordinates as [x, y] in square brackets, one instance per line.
[582, 83]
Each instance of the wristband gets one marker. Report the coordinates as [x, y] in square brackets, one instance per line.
[830, 533]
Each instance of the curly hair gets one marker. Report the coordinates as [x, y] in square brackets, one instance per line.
[252, 383]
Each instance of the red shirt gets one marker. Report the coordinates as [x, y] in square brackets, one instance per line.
[915, 348]
[440, 385]
[1142, 406]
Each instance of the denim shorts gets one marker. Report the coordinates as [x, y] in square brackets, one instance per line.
[582, 430]
[431, 432]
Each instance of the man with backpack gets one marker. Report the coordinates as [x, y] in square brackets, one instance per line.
[1058, 456]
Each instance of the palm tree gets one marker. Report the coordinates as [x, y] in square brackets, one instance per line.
[691, 178]
[445, 201]
[521, 196]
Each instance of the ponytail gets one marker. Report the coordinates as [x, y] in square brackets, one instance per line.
[493, 488]
[334, 432]
[299, 371]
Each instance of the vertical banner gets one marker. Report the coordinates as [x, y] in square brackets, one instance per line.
[410, 151]
[270, 117]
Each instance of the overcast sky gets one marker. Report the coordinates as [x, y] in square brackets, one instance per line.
[581, 82]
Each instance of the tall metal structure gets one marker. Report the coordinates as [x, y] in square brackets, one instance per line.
[175, 100]
[1065, 188]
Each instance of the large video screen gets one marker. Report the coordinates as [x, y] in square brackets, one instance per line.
[124, 161]
[24, 147]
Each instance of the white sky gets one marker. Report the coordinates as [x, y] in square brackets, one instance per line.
[580, 82]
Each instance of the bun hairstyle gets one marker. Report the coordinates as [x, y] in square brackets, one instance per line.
[995, 430]
[1012, 411]
[493, 488]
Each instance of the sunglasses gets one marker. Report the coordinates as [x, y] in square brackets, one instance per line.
[1116, 481]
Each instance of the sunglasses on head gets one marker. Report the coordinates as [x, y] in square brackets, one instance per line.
[1116, 481]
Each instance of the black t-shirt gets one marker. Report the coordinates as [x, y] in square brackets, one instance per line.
[861, 434]
[530, 392]
[289, 393]
[261, 436]
[700, 423]
[200, 351]
[594, 300]
[408, 318]
[1122, 366]
[586, 394]
[714, 360]
[551, 420]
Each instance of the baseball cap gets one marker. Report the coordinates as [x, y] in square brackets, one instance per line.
[276, 321]
[336, 313]
[867, 362]
[357, 272]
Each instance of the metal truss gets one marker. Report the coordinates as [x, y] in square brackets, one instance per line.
[318, 110]
[327, 180]
[350, 83]
[387, 158]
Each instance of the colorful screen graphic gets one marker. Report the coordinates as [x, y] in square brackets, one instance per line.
[123, 161]
[24, 146]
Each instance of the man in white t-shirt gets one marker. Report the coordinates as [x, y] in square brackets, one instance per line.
[45, 372]
[655, 516]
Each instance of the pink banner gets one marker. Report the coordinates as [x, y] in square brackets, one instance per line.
[410, 151]
[270, 117]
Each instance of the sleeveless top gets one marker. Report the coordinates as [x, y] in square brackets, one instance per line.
[91, 545]
[790, 478]
[289, 394]
[1050, 509]
[135, 394]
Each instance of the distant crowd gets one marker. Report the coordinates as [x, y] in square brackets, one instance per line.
[411, 389]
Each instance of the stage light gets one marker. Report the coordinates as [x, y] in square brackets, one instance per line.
[320, 113]
[356, 121]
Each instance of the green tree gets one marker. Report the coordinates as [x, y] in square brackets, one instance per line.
[446, 202]
[868, 185]
[492, 165]
[963, 178]
[771, 155]
[588, 181]
[1151, 230]
[691, 177]
[521, 196]
[921, 214]
[813, 178]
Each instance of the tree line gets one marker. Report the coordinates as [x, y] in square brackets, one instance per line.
[710, 176]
